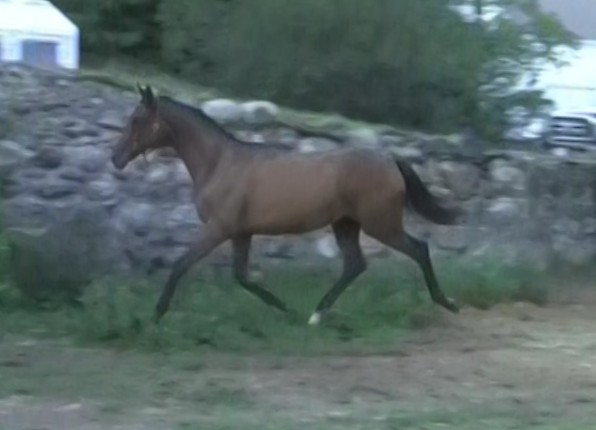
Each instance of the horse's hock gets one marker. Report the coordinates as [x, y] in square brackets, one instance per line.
[57, 133]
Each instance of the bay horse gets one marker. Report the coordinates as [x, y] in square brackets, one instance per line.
[242, 189]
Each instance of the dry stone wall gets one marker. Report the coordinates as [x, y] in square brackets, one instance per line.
[59, 187]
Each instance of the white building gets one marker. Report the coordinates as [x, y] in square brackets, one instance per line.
[573, 86]
[35, 32]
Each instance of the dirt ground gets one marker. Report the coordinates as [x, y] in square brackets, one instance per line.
[515, 366]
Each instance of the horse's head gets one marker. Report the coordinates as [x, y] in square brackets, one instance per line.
[144, 130]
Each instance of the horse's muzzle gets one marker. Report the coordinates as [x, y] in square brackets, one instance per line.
[120, 159]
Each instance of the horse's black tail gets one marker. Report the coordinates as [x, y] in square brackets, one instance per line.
[421, 200]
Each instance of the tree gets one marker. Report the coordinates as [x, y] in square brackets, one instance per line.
[116, 27]
[517, 43]
[408, 62]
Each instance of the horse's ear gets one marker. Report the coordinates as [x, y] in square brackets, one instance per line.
[147, 96]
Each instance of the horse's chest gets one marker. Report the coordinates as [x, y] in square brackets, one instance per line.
[217, 203]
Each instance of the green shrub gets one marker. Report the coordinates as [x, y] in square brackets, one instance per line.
[188, 28]
[407, 62]
[116, 27]
[483, 282]
[45, 277]
[52, 265]
[224, 316]
[374, 313]
[403, 62]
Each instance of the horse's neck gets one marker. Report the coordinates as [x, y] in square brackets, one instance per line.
[200, 151]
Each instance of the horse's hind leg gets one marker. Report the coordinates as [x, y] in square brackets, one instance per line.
[241, 246]
[417, 250]
[347, 234]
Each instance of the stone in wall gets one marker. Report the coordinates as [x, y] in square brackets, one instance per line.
[12, 155]
[55, 166]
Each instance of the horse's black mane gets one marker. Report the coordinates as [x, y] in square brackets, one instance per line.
[198, 114]
[201, 116]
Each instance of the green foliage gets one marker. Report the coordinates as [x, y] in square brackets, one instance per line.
[482, 283]
[188, 27]
[407, 62]
[223, 316]
[513, 50]
[46, 278]
[379, 308]
[116, 27]
[51, 266]
[380, 64]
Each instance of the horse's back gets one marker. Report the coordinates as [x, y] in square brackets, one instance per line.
[297, 192]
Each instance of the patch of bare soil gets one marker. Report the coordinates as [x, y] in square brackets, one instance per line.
[518, 359]
[516, 355]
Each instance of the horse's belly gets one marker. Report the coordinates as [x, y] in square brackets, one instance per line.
[293, 211]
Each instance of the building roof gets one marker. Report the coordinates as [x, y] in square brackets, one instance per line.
[34, 16]
[578, 16]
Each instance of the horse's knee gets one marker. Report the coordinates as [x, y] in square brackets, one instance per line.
[418, 248]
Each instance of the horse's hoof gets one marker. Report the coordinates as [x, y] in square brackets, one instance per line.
[315, 319]
[451, 305]
[159, 313]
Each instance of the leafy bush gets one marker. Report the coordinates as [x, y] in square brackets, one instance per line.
[188, 28]
[406, 62]
[224, 316]
[483, 283]
[52, 265]
[379, 308]
[402, 62]
[116, 27]
[385, 63]
[47, 273]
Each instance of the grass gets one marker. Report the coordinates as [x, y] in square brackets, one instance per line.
[482, 282]
[200, 393]
[194, 379]
[380, 308]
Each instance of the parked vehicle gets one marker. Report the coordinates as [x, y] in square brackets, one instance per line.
[529, 132]
[572, 129]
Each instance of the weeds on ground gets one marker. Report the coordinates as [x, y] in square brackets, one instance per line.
[380, 308]
[483, 283]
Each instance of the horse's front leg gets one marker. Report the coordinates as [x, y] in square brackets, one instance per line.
[209, 239]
